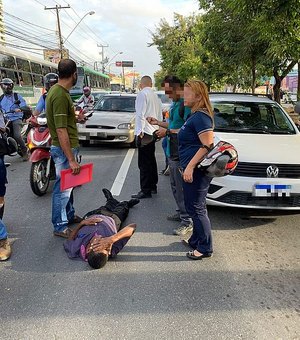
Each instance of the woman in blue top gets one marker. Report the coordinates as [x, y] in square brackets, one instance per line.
[195, 138]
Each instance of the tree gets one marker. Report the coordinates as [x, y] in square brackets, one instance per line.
[269, 34]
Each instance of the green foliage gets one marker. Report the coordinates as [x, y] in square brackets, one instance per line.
[235, 42]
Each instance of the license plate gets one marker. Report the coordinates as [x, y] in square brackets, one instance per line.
[98, 134]
[272, 190]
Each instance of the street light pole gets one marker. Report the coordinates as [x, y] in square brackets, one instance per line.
[109, 61]
[89, 13]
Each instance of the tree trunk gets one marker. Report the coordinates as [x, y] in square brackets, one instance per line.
[234, 88]
[277, 85]
[298, 87]
[253, 72]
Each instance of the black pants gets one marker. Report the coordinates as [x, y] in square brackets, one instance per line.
[148, 167]
[114, 209]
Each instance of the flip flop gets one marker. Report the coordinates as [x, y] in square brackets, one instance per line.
[192, 256]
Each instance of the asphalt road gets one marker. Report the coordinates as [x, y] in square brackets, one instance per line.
[248, 290]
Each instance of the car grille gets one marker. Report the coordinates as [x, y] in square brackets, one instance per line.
[242, 198]
[100, 127]
[260, 170]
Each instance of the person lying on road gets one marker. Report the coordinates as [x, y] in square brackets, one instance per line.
[100, 234]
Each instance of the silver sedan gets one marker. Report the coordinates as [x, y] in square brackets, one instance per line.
[113, 121]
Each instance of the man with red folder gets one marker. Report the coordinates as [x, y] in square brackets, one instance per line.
[64, 150]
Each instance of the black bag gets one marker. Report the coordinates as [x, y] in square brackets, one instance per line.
[8, 146]
[174, 154]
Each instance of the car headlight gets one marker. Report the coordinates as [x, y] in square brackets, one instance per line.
[127, 126]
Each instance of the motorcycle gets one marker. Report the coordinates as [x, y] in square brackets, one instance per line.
[27, 113]
[86, 110]
[38, 143]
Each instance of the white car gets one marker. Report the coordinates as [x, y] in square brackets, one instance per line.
[268, 145]
[113, 121]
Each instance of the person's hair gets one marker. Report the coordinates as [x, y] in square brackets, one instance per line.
[66, 67]
[97, 260]
[172, 80]
[146, 80]
[201, 92]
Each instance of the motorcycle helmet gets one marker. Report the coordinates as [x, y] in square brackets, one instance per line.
[49, 80]
[87, 90]
[220, 161]
[7, 85]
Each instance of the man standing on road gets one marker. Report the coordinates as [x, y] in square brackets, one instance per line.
[178, 114]
[147, 104]
[64, 150]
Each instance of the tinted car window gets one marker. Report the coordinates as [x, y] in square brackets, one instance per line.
[116, 104]
[251, 117]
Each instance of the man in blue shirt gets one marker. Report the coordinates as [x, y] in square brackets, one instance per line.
[10, 104]
[178, 114]
[49, 80]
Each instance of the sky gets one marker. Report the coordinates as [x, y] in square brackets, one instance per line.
[124, 25]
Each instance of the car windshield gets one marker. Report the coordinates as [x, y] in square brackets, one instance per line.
[116, 104]
[251, 117]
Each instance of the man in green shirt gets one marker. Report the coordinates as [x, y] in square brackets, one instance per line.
[64, 150]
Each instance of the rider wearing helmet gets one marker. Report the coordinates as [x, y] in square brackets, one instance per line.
[87, 99]
[10, 103]
[49, 80]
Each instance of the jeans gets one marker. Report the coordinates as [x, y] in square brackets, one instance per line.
[3, 232]
[164, 145]
[62, 201]
[17, 127]
[195, 203]
[177, 190]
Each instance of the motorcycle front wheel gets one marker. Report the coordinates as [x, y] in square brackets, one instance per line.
[39, 182]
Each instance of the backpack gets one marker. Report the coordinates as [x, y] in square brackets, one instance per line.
[15, 97]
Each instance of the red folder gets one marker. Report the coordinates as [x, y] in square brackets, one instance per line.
[68, 180]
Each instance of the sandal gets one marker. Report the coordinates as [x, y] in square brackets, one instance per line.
[191, 255]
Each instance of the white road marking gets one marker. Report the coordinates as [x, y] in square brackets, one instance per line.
[121, 176]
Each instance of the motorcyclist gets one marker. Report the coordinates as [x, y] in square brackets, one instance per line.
[10, 103]
[87, 99]
[49, 80]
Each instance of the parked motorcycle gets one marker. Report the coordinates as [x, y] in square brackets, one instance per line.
[38, 143]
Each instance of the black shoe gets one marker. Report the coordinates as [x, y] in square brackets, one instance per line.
[141, 195]
[133, 202]
[154, 191]
[107, 193]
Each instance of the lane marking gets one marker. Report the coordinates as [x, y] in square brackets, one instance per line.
[121, 176]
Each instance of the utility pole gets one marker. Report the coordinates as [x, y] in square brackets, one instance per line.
[61, 44]
[102, 56]
[2, 35]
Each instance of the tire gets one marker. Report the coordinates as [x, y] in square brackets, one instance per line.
[38, 181]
